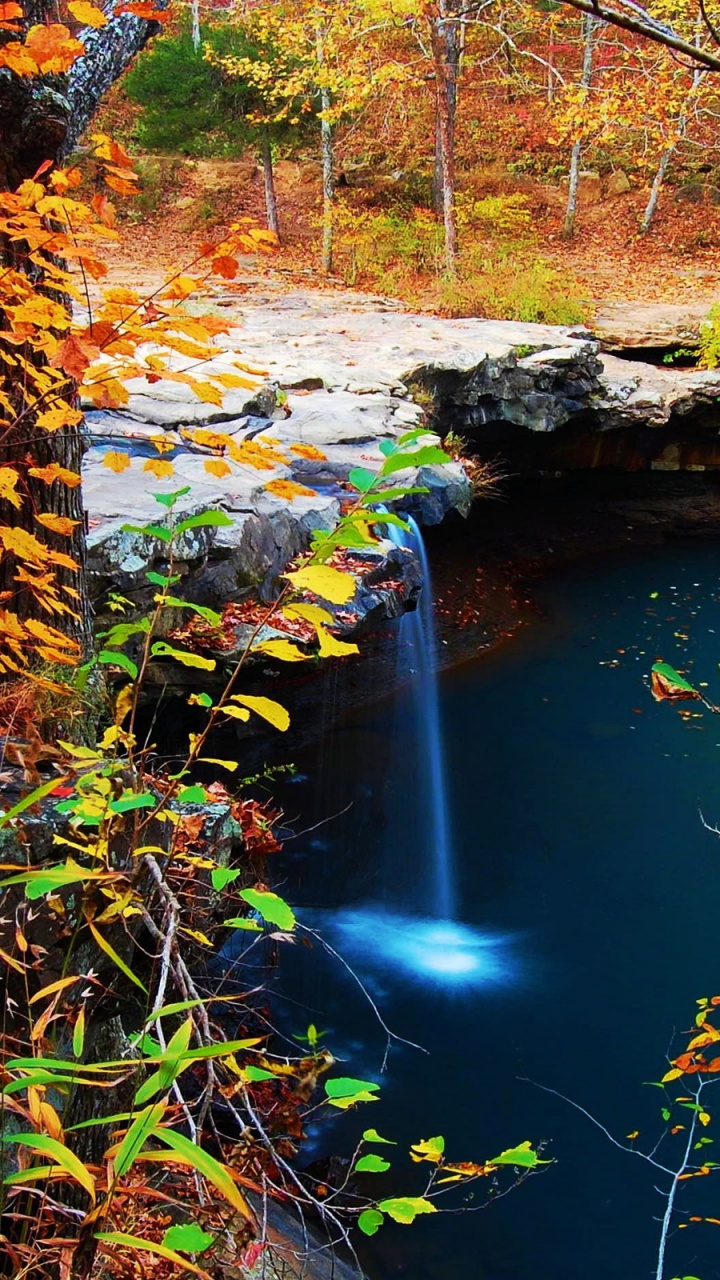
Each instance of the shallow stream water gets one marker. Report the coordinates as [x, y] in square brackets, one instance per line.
[584, 874]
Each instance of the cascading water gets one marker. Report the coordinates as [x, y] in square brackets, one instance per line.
[432, 944]
[417, 659]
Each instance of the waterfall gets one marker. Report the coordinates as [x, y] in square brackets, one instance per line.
[420, 940]
[418, 661]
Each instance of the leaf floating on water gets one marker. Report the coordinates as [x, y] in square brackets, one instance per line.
[668, 683]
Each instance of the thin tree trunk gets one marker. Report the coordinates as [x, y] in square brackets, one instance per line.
[195, 11]
[589, 26]
[328, 168]
[669, 151]
[271, 208]
[445, 43]
[658, 180]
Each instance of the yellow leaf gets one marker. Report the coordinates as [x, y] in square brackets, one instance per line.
[62, 415]
[123, 703]
[237, 713]
[116, 461]
[281, 649]
[218, 467]
[53, 471]
[332, 648]
[311, 613]
[86, 13]
[57, 524]
[671, 1075]
[273, 712]
[159, 467]
[197, 935]
[8, 480]
[207, 392]
[324, 581]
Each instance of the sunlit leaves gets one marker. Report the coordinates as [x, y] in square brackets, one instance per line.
[116, 460]
[324, 581]
[272, 908]
[344, 1092]
[372, 1164]
[273, 712]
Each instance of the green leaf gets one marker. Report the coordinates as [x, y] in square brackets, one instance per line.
[201, 699]
[665, 1113]
[78, 1039]
[150, 531]
[242, 922]
[130, 800]
[221, 876]
[32, 798]
[111, 658]
[132, 1144]
[60, 1154]
[258, 1073]
[344, 1087]
[121, 632]
[161, 649]
[673, 677]
[362, 479]
[273, 909]
[522, 1157]
[169, 499]
[208, 1166]
[187, 1236]
[370, 1221]
[372, 1164]
[409, 437]
[159, 579]
[387, 447]
[205, 520]
[429, 455]
[193, 795]
[211, 616]
[139, 1244]
[372, 1135]
[394, 494]
[406, 1209]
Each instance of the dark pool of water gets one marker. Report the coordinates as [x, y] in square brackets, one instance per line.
[581, 856]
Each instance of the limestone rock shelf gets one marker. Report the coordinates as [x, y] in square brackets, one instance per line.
[343, 372]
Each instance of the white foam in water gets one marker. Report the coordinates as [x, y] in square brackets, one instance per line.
[442, 951]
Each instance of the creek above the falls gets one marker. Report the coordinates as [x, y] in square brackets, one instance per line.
[586, 891]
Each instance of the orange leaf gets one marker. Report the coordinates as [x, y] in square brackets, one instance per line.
[159, 467]
[116, 461]
[104, 210]
[289, 489]
[225, 266]
[308, 451]
[57, 524]
[75, 355]
[87, 14]
[218, 467]
[123, 186]
[8, 480]
[17, 58]
[53, 471]
[53, 48]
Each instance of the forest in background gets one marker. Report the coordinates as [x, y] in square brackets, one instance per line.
[585, 159]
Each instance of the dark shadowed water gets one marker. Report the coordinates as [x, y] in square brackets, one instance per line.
[592, 894]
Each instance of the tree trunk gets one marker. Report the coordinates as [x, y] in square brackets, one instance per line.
[271, 208]
[445, 46]
[589, 28]
[41, 120]
[195, 12]
[658, 180]
[328, 168]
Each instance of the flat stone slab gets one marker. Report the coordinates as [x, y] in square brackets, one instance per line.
[660, 325]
